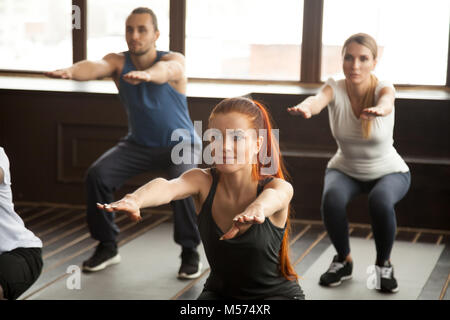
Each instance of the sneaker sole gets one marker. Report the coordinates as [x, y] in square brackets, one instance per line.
[389, 291]
[114, 260]
[191, 276]
[335, 284]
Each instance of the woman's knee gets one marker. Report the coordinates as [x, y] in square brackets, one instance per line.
[333, 199]
[380, 204]
[380, 197]
[333, 202]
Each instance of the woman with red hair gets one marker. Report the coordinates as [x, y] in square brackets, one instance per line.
[242, 203]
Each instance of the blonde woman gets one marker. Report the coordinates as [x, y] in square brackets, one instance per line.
[361, 113]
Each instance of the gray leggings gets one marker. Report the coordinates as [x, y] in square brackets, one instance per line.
[384, 193]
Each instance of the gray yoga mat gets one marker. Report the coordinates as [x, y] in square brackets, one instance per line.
[413, 264]
[147, 271]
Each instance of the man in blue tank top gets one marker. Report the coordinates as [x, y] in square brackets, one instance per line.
[152, 88]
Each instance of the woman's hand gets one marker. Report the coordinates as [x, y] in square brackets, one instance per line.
[371, 113]
[127, 204]
[254, 214]
[302, 109]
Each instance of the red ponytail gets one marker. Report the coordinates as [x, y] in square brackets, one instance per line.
[286, 268]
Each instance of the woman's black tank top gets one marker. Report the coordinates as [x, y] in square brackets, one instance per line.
[247, 266]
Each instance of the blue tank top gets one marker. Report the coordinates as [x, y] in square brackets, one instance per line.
[155, 111]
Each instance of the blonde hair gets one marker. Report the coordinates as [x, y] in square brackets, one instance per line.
[369, 98]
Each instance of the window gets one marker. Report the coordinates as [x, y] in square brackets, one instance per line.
[35, 35]
[412, 37]
[251, 39]
[234, 39]
[106, 25]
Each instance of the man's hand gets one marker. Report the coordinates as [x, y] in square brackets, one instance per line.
[371, 113]
[136, 77]
[254, 214]
[127, 204]
[60, 74]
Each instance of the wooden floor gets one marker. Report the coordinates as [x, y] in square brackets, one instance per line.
[66, 240]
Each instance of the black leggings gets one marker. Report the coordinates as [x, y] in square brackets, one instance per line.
[19, 269]
[384, 193]
[117, 165]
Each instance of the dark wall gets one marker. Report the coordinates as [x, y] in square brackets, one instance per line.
[51, 138]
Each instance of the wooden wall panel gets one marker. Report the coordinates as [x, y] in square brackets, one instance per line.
[79, 145]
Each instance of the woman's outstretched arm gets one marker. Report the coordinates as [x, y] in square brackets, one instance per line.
[158, 192]
[314, 104]
[384, 106]
[272, 203]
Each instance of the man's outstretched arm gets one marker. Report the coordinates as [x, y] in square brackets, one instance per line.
[88, 70]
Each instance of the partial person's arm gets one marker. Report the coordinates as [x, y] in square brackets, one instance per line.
[2, 176]
[158, 192]
[170, 68]
[272, 203]
[314, 104]
[384, 105]
[88, 70]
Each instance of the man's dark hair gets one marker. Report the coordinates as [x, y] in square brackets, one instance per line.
[148, 11]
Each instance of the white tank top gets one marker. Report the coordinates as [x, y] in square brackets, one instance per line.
[13, 233]
[363, 159]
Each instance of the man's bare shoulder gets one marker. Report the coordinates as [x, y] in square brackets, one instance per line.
[116, 61]
[173, 56]
[114, 57]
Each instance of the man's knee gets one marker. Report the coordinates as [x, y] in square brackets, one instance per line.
[95, 173]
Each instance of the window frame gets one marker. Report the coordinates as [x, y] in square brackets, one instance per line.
[310, 72]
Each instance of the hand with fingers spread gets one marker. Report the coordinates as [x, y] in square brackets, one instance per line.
[371, 113]
[254, 214]
[127, 204]
[302, 109]
[136, 77]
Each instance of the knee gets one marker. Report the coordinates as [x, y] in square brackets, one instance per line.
[94, 174]
[332, 202]
[380, 204]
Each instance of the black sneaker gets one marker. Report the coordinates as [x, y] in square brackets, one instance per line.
[191, 267]
[338, 271]
[385, 275]
[104, 255]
